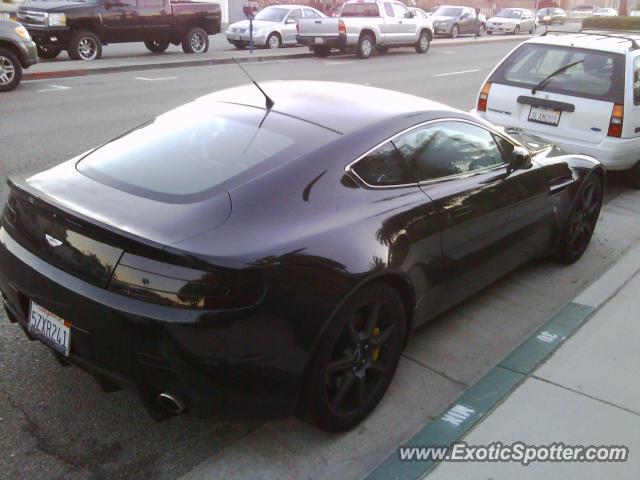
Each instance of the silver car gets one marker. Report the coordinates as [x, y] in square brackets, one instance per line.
[273, 26]
[513, 21]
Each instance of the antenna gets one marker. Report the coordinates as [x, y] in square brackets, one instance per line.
[270, 103]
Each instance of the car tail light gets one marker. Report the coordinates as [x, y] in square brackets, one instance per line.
[615, 125]
[342, 28]
[482, 98]
[176, 286]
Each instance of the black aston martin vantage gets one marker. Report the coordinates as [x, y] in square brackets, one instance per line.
[254, 256]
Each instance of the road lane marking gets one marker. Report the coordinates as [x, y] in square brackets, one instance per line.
[456, 73]
[54, 88]
[154, 79]
[331, 63]
[448, 52]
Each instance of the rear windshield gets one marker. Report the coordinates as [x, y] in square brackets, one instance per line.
[360, 10]
[596, 75]
[186, 153]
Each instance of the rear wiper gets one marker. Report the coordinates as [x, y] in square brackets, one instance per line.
[548, 78]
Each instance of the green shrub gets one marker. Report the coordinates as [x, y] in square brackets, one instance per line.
[612, 23]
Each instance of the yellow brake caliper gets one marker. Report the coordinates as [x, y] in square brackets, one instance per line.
[376, 351]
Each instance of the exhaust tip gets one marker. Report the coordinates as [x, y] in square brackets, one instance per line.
[171, 403]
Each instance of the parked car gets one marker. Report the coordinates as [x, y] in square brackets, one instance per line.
[17, 52]
[512, 20]
[549, 16]
[358, 215]
[82, 28]
[365, 26]
[634, 13]
[583, 11]
[606, 12]
[453, 21]
[8, 11]
[273, 26]
[580, 91]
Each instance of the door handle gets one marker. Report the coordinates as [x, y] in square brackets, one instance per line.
[458, 213]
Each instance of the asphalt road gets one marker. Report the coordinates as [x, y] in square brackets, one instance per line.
[55, 422]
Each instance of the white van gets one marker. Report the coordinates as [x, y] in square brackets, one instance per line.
[580, 91]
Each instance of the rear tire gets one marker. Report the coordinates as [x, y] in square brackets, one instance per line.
[156, 46]
[85, 45]
[10, 70]
[455, 31]
[516, 31]
[634, 176]
[581, 222]
[366, 45]
[273, 41]
[195, 40]
[422, 46]
[48, 52]
[356, 359]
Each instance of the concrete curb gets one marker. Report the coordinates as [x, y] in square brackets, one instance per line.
[80, 72]
[483, 397]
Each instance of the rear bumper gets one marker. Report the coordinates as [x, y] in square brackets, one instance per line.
[242, 364]
[258, 40]
[501, 28]
[50, 36]
[337, 41]
[613, 153]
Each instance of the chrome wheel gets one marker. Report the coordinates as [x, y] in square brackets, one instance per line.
[366, 47]
[273, 41]
[198, 42]
[424, 42]
[87, 48]
[7, 71]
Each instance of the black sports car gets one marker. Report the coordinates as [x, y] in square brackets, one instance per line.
[247, 259]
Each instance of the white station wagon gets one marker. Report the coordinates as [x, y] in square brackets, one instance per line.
[580, 91]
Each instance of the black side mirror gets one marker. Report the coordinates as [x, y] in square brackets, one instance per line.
[520, 159]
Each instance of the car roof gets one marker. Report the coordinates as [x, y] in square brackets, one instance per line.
[290, 7]
[615, 42]
[343, 107]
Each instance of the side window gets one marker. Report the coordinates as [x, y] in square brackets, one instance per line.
[295, 14]
[389, 9]
[384, 167]
[506, 147]
[308, 13]
[451, 148]
[636, 81]
[399, 10]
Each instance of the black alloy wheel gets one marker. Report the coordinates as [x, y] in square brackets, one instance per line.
[356, 359]
[581, 222]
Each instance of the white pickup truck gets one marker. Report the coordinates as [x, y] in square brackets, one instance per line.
[366, 26]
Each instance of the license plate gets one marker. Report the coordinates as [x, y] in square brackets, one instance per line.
[544, 115]
[50, 328]
[319, 40]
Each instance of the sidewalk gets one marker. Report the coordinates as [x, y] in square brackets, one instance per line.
[587, 392]
[135, 57]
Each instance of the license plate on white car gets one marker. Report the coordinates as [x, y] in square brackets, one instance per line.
[544, 115]
[50, 328]
[319, 40]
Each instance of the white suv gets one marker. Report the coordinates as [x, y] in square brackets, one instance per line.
[580, 91]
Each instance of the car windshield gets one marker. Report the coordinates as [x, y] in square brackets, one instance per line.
[603, 10]
[185, 153]
[448, 12]
[543, 11]
[272, 14]
[360, 10]
[509, 14]
[598, 75]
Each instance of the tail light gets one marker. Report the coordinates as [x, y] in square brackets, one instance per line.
[482, 98]
[615, 124]
[176, 286]
[342, 28]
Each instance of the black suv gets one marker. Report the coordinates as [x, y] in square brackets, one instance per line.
[82, 27]
[17, 51]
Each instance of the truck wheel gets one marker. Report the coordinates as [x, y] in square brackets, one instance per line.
[196, 40]
[85, 45]
[321, 52]
[48, 52]
[273, 41]
[156, 46]
[422, 46]
[365, 46]
[516, 31]
[10, 70]
[454, 31]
